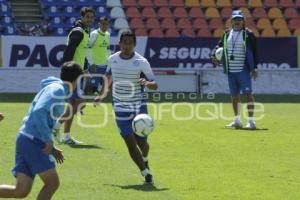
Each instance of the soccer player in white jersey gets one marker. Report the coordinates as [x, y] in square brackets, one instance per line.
[125, 69]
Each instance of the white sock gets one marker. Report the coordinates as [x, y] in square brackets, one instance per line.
[57, 125]
[238, 118]
[251, 119]
[145, 172]
[145, 159]
[67, 136]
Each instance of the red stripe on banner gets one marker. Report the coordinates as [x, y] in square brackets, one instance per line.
[164, 72]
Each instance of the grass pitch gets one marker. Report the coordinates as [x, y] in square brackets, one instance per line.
[190, 159]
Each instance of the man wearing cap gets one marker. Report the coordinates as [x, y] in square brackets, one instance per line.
[239, 61]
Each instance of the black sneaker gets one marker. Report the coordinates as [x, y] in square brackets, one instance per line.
[149, 179]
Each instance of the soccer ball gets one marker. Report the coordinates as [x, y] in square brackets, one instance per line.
[142, 125]
[219, 54]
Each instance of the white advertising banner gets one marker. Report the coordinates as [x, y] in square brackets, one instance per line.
[43, 52]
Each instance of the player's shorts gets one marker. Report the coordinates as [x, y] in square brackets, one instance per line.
[30, 159]
[240, 82]
[124, 121]
[96, 81]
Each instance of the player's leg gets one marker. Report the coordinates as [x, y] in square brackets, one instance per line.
[246, 87]
[124, 120]
[144, 148]
[236, 104]
[136, 156]
[134, 151]
[20, 190]
[235, 100]
[51, 184]
[70, 112]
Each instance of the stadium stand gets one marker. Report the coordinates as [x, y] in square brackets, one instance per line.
[162, 18]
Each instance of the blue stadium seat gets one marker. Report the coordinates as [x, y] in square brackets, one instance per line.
[59, 32]
[66, 2]
[9, 30]
[69, 11]
[113, 32]
[48, 3]
[101, 11]
[52, 11]
[70, 21]
[57, 22]
[94, 3]
[5, 10]
[6, 20]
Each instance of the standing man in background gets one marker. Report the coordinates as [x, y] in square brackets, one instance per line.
[240, 61]
[99, 51]
[76, 50]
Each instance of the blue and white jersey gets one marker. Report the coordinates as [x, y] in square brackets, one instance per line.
[127, 91]
[236, 50]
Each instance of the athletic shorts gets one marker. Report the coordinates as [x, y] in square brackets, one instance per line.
[30, 159]
[240, 82]
[124, 121]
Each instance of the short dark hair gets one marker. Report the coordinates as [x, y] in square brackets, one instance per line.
[85, 10]
[103, 18]
[128, 34]
[70, 71]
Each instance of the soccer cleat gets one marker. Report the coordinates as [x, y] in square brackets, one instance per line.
[56, 134]
[251, 125]
[149, 179]
[235, 124]
[71, 141]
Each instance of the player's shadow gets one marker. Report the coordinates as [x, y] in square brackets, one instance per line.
[143, 187]
[247, 129]
[85, 146]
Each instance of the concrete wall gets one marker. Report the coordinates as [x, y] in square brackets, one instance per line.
[268, 82]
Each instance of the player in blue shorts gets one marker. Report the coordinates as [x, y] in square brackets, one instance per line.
[124, 70]
[240, 60]
[99, 43]
[35, 152]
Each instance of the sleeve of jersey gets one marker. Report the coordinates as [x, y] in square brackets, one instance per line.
[147, 71]
[74, 40]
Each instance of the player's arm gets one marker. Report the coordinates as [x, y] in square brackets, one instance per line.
[253, 44]
[107, 82]
[149, 81]
[213, 52]
[152, 85]
[74, 40]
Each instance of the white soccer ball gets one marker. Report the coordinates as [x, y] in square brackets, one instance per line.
[219, 54]
[142, 125]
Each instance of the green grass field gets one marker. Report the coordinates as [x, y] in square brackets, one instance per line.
[190, 159]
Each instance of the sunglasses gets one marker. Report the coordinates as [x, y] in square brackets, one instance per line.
[238, 19]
